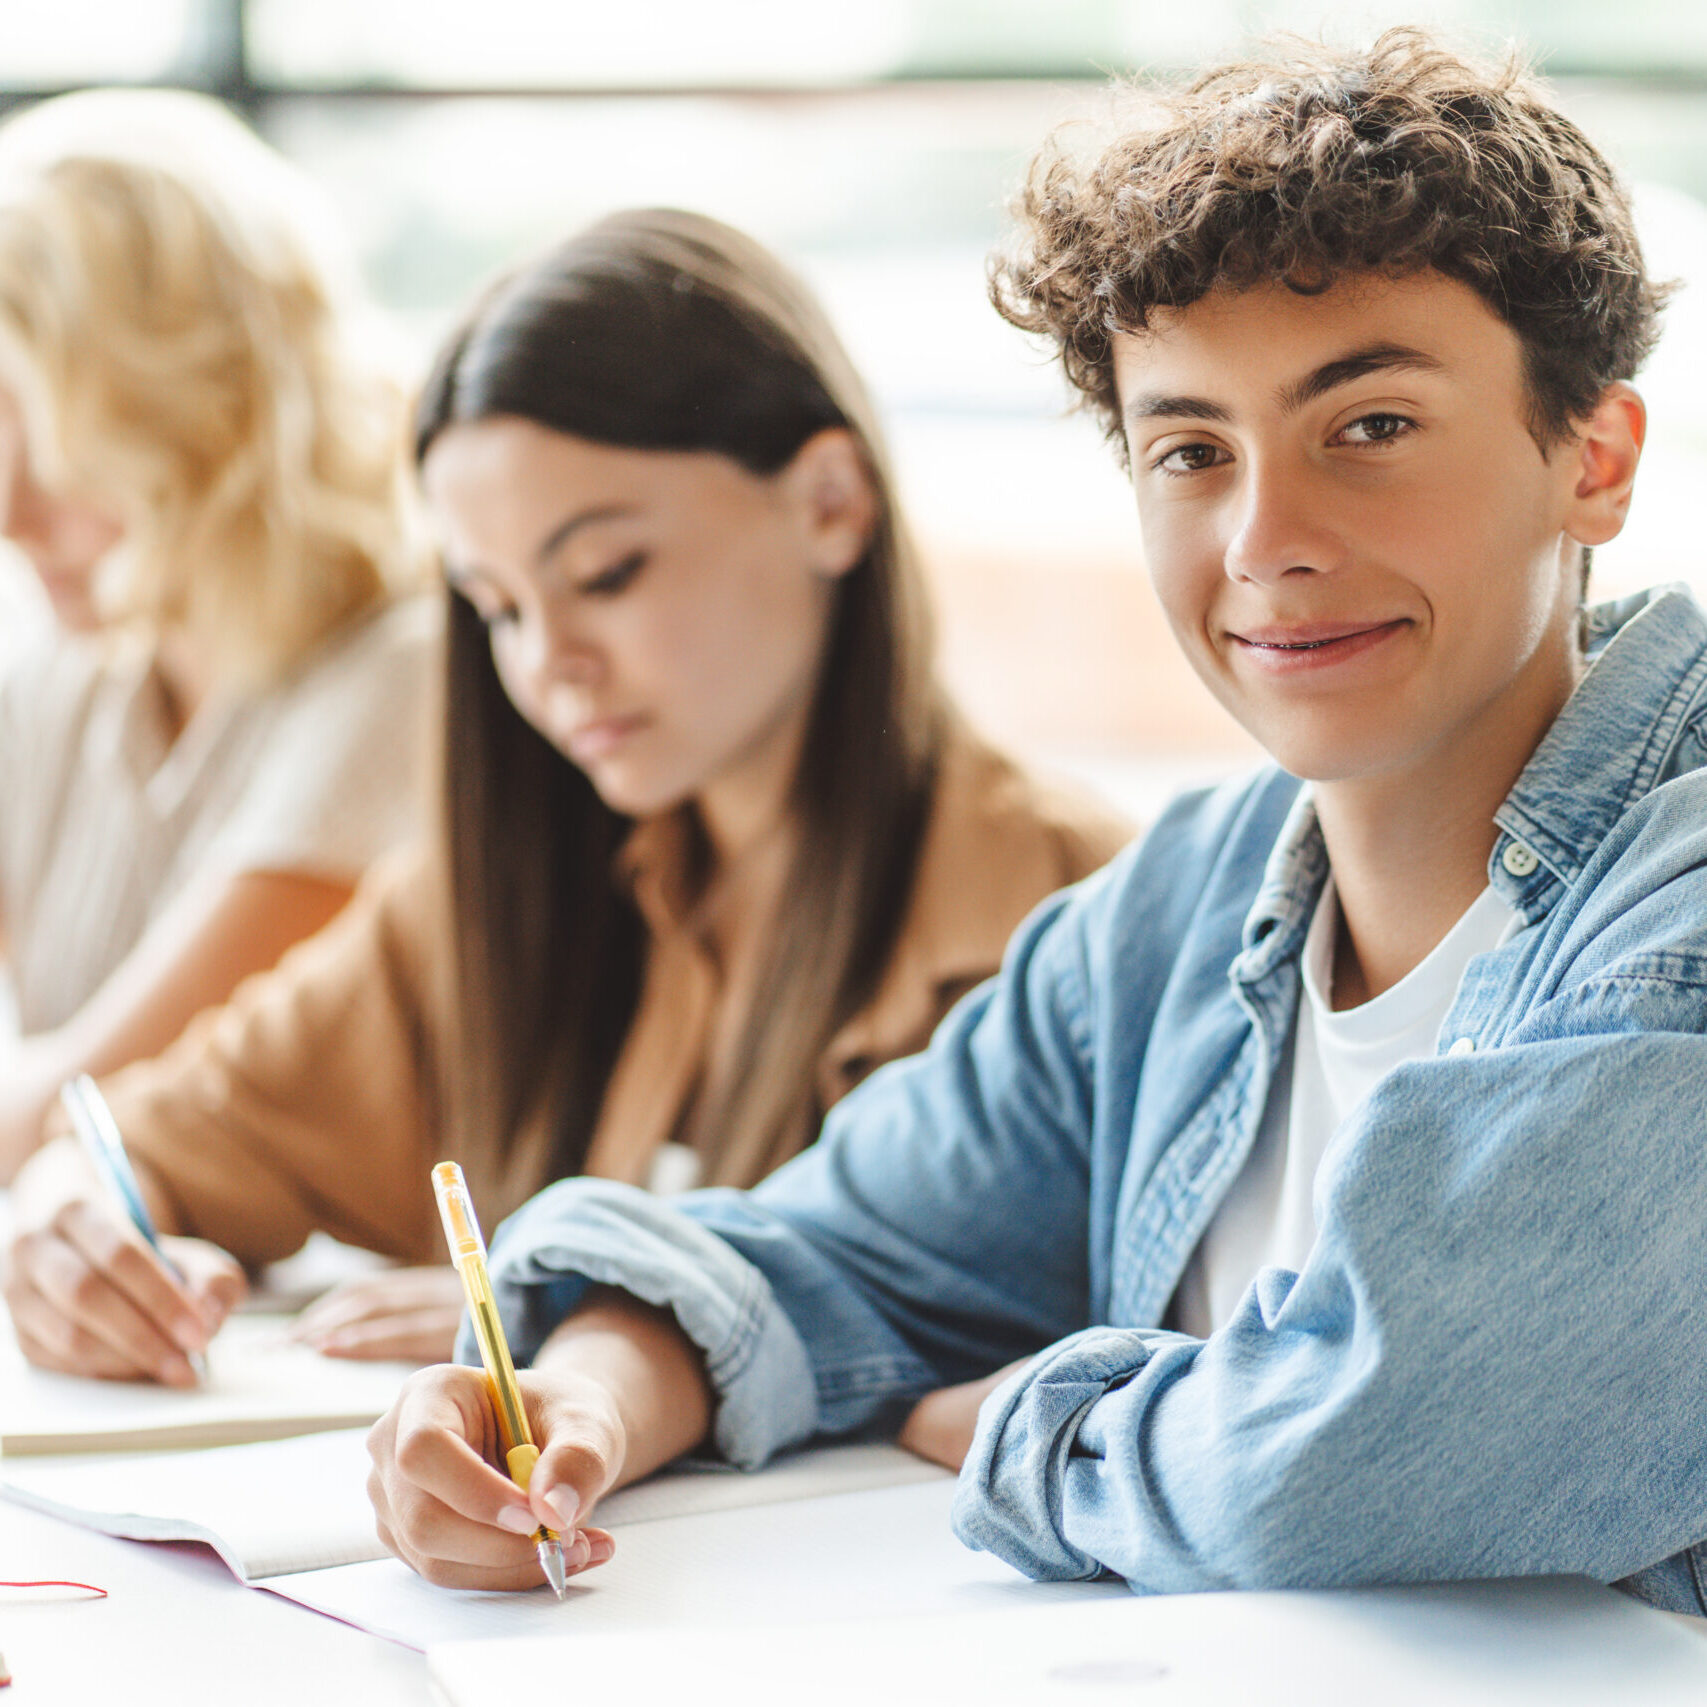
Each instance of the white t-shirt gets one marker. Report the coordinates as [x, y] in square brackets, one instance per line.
[1336, 1059]
[106, 819]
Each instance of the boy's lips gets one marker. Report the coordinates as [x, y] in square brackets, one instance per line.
[1312, 645]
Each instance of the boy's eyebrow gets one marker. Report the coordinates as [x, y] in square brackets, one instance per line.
[1156, 405]
[1372, 358]
[1342, 370]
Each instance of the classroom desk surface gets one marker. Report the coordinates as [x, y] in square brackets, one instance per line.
[179, 1628]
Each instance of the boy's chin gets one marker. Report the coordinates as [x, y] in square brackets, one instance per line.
[1324, 758]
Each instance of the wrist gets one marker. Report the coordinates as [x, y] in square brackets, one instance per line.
[642, 1367]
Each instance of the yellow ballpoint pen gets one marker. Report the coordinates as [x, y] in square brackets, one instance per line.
[468, 1252]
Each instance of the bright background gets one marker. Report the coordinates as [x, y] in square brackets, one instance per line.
[875, 146]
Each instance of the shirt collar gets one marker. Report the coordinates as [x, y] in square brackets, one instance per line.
[1610, 745]
[1606, 749]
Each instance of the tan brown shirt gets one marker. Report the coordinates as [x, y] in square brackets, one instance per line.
[311, 1100]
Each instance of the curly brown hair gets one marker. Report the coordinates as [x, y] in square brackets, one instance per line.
[1308, 164]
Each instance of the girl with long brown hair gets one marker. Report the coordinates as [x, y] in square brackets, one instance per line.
[713, 845]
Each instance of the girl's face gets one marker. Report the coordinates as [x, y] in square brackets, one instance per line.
[658, 616]
[64, 539]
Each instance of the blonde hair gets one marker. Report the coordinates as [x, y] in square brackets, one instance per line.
[181, 330]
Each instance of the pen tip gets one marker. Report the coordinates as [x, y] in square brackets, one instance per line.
[551, 1562]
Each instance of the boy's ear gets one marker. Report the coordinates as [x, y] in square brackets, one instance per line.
[1603, 458]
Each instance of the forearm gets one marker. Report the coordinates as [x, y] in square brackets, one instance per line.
[32, 1076]
[54, 1176]
[652, 1372]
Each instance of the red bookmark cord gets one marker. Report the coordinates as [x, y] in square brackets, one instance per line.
[88, 1588]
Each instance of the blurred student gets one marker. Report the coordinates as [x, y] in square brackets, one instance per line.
[714, 846]
[1333, 1161]
[207, 478]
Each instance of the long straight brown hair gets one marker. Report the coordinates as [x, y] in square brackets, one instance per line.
[663, 330]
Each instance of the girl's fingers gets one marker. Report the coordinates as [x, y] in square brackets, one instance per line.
[87, 1291]
[423, 1336]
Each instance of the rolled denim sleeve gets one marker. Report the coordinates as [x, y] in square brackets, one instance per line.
[583, 1233]
[1494, 1360]
[870, 1269]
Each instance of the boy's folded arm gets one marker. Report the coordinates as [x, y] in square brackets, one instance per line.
[879, 1264]
[1491, 1363]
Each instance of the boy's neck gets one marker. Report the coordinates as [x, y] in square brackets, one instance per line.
[1410, 853]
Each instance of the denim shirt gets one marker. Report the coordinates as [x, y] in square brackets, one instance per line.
[1493, 1361]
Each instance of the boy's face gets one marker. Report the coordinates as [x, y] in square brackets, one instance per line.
[1360, 546]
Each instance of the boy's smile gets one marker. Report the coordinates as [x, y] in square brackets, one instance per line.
[1354, 533]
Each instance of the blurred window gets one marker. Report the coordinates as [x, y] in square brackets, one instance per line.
[875, 146]
[47, 44]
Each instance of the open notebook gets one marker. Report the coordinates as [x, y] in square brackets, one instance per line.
[284, 1506]
[261, 1386]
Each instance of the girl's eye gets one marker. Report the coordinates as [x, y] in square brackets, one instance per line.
[615, 578]
[1191, 459]
[1376, 429]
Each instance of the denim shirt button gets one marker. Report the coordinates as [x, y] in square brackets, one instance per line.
[1466, 1045]
[1518, 860]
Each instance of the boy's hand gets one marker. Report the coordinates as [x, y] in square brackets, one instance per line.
[615, 1392]
[88, 1297]
[445, 1511]
[410, 1314]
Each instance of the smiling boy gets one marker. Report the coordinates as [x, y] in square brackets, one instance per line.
[1342, 1144]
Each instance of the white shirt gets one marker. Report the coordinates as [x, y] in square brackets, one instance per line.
[106, 818]
[1267, 1219]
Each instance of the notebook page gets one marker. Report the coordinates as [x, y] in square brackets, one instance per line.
[279, 1506]
[260, 1386]
[865, 1554]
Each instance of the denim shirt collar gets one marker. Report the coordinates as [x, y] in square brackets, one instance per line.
[1606, 749]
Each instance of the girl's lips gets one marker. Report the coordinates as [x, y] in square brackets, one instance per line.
[594, 741]
[1313, 646]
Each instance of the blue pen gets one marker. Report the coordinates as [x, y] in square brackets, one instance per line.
[98, 1133]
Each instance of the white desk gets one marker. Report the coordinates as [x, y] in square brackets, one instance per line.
[179, 1629]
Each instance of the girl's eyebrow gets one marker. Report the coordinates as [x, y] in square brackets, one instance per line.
[560, 535]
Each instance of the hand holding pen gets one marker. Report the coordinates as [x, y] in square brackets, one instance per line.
[468, 1253]
[90, 1292]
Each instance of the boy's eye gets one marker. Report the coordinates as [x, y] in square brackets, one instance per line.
[1191, 459]
[1375, 429]
[615, 578]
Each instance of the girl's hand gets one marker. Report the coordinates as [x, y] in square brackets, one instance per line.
[941, 1425]
[88, 1297]
[409, 1314]
[445, 1511]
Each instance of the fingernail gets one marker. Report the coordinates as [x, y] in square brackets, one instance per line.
[518, 1520]
[176, 1372]
[600, 1549]
[578, 1554]
[191, 1334]
[564, 1504]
